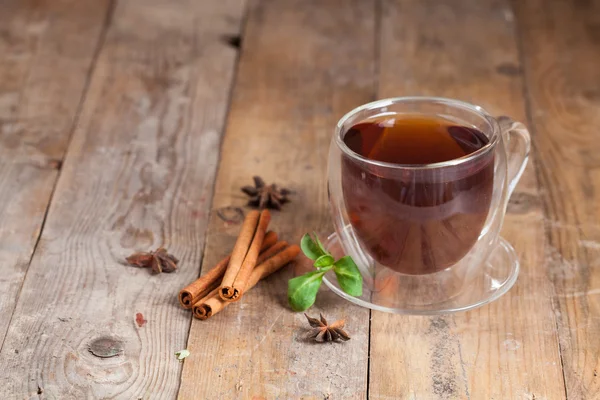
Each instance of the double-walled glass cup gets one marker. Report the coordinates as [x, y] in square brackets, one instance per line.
[426, 237]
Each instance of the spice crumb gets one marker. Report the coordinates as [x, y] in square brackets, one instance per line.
[140, 320]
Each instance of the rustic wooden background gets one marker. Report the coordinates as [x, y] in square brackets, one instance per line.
[125, 123]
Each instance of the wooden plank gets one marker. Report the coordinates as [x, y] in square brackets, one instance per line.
[466, 49]
[138, 175]
[47, 51]
[561, 47]
[304, 64]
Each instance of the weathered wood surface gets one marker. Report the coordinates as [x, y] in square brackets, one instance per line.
[561, 51]
[467, 49]
[303, 64]
[138, 174]
[46, 53]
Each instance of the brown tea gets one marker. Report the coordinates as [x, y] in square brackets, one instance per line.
[416, 220]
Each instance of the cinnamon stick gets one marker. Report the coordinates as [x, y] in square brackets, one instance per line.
[203, 308]
[237, 274]
[202, 286]
[213, 303]
[271, 251]
[200, 312]
[240, 249]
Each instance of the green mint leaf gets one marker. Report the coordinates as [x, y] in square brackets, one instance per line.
[310, 248]
[321, 247]
[348, 276]
[302, 290]
[324, 261]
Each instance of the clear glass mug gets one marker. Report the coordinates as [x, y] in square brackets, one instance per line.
[442, 254]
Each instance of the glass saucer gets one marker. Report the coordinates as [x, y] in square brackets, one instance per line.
[398, 293]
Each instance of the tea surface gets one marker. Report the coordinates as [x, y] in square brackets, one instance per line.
[413, 140]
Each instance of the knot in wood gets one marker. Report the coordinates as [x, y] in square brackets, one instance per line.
[106, 347]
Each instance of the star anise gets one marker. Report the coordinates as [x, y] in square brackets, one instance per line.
[323, 332]
[159, 261]
[266, 196]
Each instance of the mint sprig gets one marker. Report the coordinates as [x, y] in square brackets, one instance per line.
[302, 290]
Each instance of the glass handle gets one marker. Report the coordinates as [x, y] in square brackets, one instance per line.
[517, 144]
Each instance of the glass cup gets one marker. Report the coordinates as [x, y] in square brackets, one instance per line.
[426, 237]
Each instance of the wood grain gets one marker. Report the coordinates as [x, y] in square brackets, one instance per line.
[138, 175]
[561, 49]
[46, 52]
[467, 49]
[303, 65]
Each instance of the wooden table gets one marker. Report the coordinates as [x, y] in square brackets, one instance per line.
[125, 124]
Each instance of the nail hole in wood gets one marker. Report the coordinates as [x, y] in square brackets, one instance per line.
[591, 94]
[508, 69]
[55, 164]
[234, 41]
